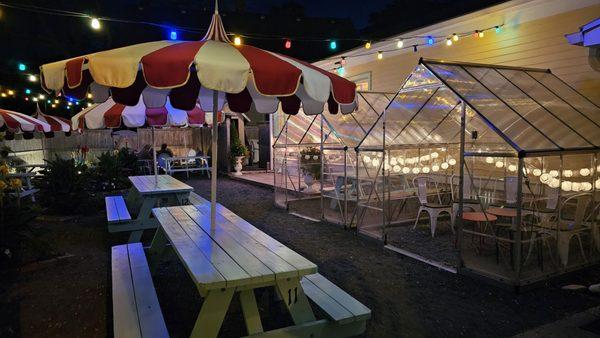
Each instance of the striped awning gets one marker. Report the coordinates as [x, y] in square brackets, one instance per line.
[185, 74]
[110, 114]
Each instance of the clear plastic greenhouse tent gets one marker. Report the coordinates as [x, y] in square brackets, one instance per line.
[500, 163]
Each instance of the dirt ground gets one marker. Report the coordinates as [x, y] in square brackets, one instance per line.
[69, 296]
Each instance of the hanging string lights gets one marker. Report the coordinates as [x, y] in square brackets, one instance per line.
[95, 23]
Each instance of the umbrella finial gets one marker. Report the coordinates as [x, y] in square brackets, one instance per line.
[216, 31]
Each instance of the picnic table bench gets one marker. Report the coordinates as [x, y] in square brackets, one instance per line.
[146, 192]
[27, 189]
[136, 311]
[232, 257]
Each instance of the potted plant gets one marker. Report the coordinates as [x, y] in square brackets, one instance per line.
[238, 152]
[310, 164]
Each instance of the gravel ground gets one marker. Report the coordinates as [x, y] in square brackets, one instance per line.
[70, 297]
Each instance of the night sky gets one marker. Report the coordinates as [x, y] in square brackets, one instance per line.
[38, 38]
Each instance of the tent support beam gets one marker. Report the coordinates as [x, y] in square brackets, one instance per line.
[213, 176]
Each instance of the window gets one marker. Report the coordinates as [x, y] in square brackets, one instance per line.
[363, 81]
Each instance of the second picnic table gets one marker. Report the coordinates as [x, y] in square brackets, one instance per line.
[146, 193]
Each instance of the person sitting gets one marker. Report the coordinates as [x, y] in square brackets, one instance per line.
[164, 150]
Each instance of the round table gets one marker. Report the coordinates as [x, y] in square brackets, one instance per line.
[503, 212]
[478, 216]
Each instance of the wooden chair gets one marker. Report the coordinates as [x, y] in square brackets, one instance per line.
[432, 209]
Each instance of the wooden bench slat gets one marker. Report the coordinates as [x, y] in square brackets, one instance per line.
[150, 317]
[303, 265]
[275, 264]
[124, 306]
[116, 209]
[227, 267]
[245, 259]
[199, 267]
[334, 310]
[356, 308]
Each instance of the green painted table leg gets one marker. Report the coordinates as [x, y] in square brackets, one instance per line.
[212, 313]
[157, 247]
[295, 300]
[135, 236]
[250, 310]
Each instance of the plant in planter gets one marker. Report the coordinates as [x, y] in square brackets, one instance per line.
[238, 152]
[310, 164]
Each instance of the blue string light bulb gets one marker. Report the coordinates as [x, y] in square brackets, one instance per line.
[22, 67]
[333, 45]
[173, 35]
[27, 91]
[430, 40]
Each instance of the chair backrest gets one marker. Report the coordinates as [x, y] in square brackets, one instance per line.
[191, 153]
[511, 186]
[423, 183]
[467, 191]
[582, 202]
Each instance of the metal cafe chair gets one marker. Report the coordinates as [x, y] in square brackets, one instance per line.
[432, 209]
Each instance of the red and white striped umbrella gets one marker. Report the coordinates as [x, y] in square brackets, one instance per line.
[18, 123]
[110, 114]
[187, 72]
[203, 74]
[57, 124]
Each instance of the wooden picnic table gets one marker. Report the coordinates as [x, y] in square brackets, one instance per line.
[146, 192]
[30, 167]
[231, 257]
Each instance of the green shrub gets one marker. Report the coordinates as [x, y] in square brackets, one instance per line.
[64, 186]
[113, 168]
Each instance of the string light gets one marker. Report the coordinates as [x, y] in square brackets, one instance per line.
[42, 96]
[448, 42]
[32, 78]
[379, 55]
[430, 40]
[11, 92]
[400, 43]
[480, 34]
[237, 40]
[497, 29]
[22, 67]
[35, 99]
[368, 45]
[333, 45]
[288, 44]
[454, 37]
[27, 91]
[95, 23]
[89, 95]
[3, 94]
[173, 35]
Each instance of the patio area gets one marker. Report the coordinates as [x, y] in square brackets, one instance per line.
[410, 298]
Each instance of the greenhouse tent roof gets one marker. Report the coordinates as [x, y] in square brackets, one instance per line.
[508, 109]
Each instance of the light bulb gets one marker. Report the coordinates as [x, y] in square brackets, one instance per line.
[512, 167]
[332, 45]
[553, 173]
[379, 55]
[41, 96]
[452, 161]
[288, 44]
[56, 101]
[568, 173]
[397, 168]
[400, 44]
[499, 164]
[237, 41]
[480, 34]
[416, 170]
[173, 35]
[448, 42]
[554, 183]
[435, 155]
[576, 186]
[401, 161]
[32, 78]
[11, 92]
[393, 161]
[426, 170]
[566, 186]
[544, 178]
[489, 160]
[368, 45]
[584, 172]
[95, 23]
[435, 168]
[597, 183]
[586, 186]
[367, 159]
[444, 165]
[406, 170]
[375, 162]
[537, 172]
[454, 37]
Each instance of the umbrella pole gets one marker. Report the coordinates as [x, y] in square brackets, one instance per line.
[213, 177]
[154, 156]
